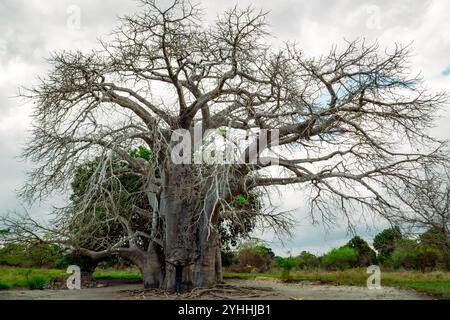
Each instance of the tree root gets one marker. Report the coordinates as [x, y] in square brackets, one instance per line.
[221, 292]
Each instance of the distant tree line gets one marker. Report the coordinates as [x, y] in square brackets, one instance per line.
[393, 251]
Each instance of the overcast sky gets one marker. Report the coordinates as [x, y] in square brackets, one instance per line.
[31, 29]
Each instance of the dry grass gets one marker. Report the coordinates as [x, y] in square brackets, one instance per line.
[435, 283]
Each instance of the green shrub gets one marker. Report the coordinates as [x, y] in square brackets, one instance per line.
[386, 241]
[340, 258]
[428, 258]
[253, 258]
[36, 282]
[86, 264]
[36, 255]
[411, 255]
[366, 256]
[115, 262]
[307, 261]
[4, 285]
[405, 255]
[228, 257]
[286, 265]
[437, 240]
[264, 251]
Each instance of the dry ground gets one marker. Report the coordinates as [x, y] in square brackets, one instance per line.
[259, 288]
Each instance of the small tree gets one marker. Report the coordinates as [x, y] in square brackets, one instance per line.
[253, 257]
[340, 258]
[411, 254]
[435, 239]
[286, 265]
[386, 241]
[307, 260]
[366, 256]
[26, 255]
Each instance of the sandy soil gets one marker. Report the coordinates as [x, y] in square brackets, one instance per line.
[260, 288]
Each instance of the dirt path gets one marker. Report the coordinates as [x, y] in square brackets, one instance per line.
[311, 291]
[269, 289]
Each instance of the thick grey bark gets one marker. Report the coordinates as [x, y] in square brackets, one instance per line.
[149, 262]
[191, 238]
[190, 253]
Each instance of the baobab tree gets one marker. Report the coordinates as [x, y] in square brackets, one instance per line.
[347, 124]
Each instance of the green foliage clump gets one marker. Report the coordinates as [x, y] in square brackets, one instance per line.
[241, 200]
[4, 285]
[86, 264]
[405, 254]
[228, 257]
[115, 262]
[253, 258]
[307, 261]
[16, 277]
[440, 241]
[286, 265]
[142, 152]
[340, 258]
[37, 255]
[366, 256]
[127, 192]
[36, 282]
[428, 252]
[386, 241]
[412, 255]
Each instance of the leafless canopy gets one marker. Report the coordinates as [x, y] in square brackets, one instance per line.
[425, 203]
[350, 123]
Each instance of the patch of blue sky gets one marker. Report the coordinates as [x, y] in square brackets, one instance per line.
[446, 72]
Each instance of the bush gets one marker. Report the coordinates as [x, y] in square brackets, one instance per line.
[4, 285]
[366, 256]
[253, 258]
[307, 261]
[228, 257]
[36, 255]
[114, 262]
[428, 258]
[340, 258]
[404, 255]
[386, 241]
[286, 265]
[411, 255]
[86, 264]
[439, 241]
[36, 282]
[446, 261]
[435, 238]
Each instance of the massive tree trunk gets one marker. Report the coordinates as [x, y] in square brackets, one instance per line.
[189, 255]
[189, 210]
[150, 263]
